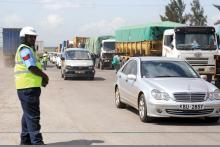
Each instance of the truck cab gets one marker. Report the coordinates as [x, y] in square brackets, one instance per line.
[197, 45]
[106, 54]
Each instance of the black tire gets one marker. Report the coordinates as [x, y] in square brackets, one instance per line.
[212, 119]
[118, 102]
[142, 108]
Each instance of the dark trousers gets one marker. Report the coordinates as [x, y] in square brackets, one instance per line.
[30, 103]
[45, 65]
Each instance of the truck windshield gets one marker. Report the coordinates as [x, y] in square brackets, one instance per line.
[192, 41]
[78, 55]
[109, 46]
[167, 69]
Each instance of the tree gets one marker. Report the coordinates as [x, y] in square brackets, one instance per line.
[197, 17]
[218, 21]
[174, 11]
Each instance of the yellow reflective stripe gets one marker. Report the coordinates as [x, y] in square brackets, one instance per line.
[22, 72]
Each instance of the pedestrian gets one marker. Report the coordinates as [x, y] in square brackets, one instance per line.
[29, 78]
[123, 60]
[116, 62]
[93, 56]
[45, 59]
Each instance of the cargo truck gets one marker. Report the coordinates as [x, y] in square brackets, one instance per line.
[142, 40]
[173, 40]
[11, 41]
[103, 49]
[180, 43]
[79, 42]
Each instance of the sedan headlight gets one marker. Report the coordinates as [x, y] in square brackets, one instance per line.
[158, 95]
[215, 95]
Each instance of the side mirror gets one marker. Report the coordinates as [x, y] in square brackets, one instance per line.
[132, 77]
[204, 77]
[62, 58]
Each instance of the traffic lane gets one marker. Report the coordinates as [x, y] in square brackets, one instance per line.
[89, 106]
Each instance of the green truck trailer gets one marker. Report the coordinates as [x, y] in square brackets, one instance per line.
[142, 40]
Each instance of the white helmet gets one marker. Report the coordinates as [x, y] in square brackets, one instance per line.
[28, 31]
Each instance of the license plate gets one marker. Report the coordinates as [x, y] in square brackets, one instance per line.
[191, 107]
[79, 72]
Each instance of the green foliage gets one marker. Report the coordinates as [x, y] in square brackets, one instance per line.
[174, 11]
[197, 17]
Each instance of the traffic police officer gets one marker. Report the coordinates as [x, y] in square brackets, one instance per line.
[29, 78]
[45, 59]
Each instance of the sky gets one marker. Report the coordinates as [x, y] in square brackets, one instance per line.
[58, 20]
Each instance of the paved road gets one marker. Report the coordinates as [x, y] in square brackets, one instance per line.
[82, 112]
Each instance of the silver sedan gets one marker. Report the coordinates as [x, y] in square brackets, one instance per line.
[165, 87]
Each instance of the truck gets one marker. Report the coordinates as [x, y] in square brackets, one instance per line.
[173, 40]
[179, 43]
[142, 40]
[103, 49]
[39, 46]
[79, 42]
[11, 41]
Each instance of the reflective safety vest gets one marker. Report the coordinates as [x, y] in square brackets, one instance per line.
[23, 77]
[45, 57]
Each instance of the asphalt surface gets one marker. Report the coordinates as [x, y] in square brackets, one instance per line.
[82, 112]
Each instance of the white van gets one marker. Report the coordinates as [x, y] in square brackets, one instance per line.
[77, 62]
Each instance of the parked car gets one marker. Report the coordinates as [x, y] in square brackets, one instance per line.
[77, 62]
[165, 87]
[54, 58]
[58, 60]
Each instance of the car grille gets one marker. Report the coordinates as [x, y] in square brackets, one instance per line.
[189, 112]
[199, 61]
[79, 68]
[190, 97]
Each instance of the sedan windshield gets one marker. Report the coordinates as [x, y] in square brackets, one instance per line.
[161, 69]
[78, 55]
